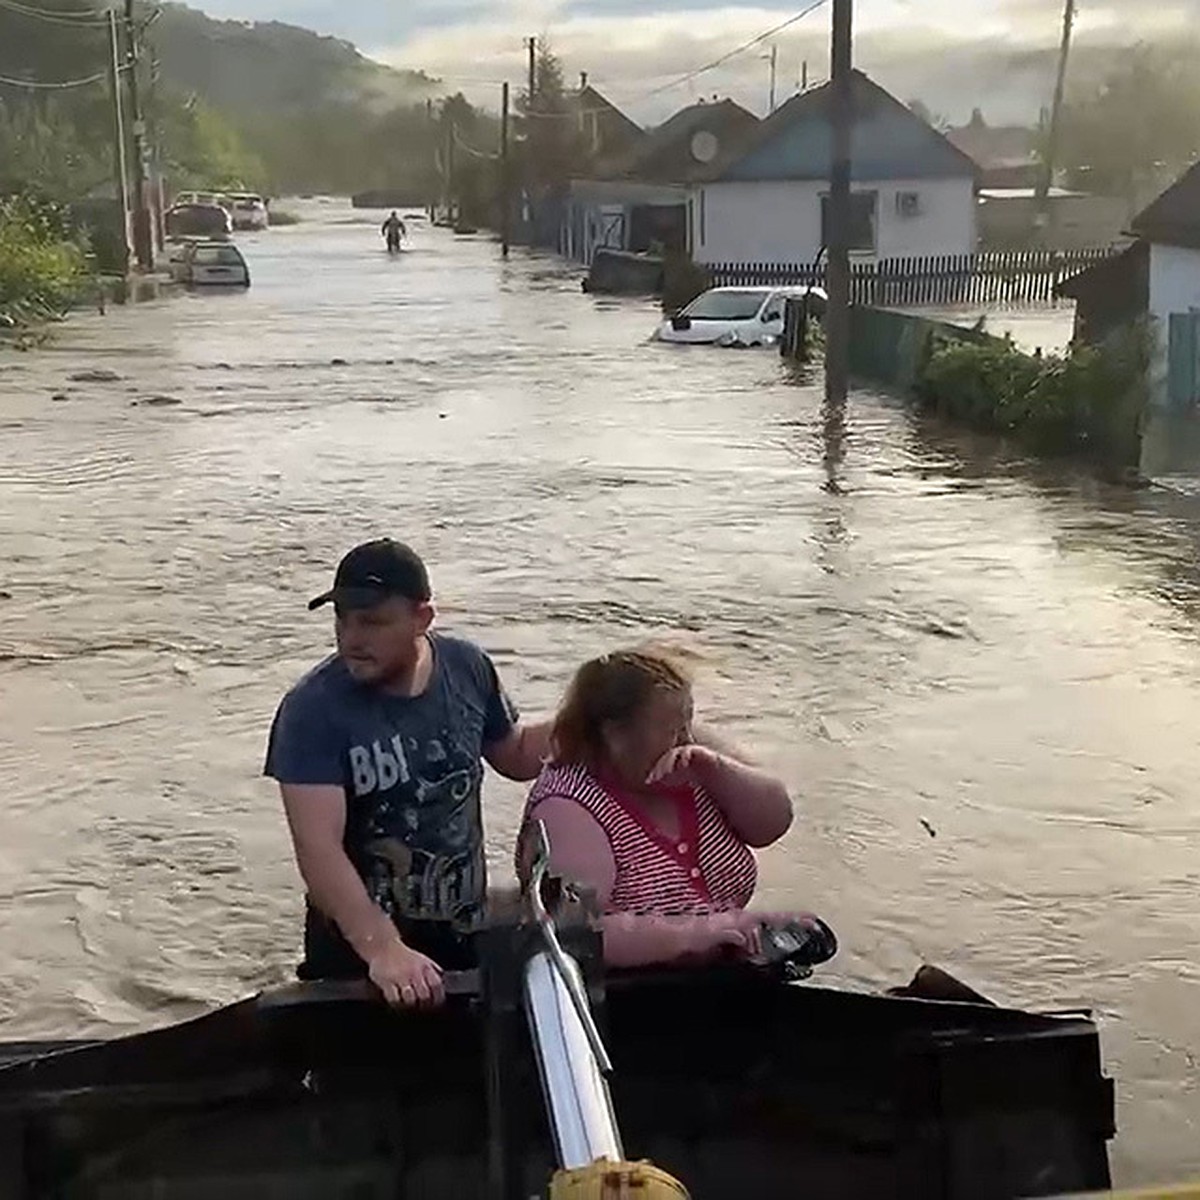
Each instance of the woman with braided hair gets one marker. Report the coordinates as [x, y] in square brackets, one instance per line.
[660, 826]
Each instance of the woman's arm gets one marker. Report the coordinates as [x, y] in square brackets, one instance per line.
[580, 853]
[755, 802]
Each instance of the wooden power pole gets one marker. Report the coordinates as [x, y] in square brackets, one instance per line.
[837, 317]
[505, 176]
[1046, 174]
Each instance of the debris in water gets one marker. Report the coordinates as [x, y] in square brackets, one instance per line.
[5, 595]
[929, 829]
[60, 396]
[337, 362]
[156, 401]
[95, 375]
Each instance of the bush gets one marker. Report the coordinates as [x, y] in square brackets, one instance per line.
[41, 268]
[1090, 400]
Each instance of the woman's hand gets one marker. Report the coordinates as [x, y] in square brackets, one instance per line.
[720, 935]
[684, 764]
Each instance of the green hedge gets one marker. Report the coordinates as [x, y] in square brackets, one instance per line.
[1090, 401]
[42, 268]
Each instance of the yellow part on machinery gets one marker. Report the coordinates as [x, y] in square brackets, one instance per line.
[608, 1180]
[1166, 1191]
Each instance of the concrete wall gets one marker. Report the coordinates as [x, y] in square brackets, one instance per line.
[781, 221]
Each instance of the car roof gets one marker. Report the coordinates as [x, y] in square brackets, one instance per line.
[764, 288]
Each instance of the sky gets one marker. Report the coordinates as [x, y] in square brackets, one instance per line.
[953, 54]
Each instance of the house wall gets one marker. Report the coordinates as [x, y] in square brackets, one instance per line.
[770, 221]
[598, 213]
[1174, 280]
[1076, 222]
[1174, 288]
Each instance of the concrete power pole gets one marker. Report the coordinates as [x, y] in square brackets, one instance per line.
[120, 171]
[143, 230]
[837, 318]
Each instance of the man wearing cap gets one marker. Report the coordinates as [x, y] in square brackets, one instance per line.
[378, 752]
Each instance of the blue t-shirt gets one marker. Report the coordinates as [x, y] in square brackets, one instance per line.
[411, 768]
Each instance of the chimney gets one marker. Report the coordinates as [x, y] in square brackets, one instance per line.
[582, 80]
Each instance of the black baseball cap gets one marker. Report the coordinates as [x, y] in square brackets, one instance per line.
[373, 572]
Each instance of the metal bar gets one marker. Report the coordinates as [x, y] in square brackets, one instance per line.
[331, 991]
[567, 969]
[577, 1097]
[572, 1059]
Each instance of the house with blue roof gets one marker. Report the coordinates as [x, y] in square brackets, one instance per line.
[764, 198]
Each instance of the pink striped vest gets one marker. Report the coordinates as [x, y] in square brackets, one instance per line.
[708, 868]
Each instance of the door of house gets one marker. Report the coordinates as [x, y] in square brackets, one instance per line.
[1183, 360]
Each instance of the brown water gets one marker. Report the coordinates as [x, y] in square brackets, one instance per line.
[913, 626]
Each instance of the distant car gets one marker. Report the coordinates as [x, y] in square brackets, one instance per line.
[197, 220]
[735, 316]
[213, 263]
[248, 210]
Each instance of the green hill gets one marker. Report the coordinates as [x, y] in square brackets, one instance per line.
[268, 68]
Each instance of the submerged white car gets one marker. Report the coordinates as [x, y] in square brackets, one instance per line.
[211, 263]
[736, 316]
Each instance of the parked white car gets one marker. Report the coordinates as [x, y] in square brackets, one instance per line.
[736, 316]
[248, 210]
[208, 263]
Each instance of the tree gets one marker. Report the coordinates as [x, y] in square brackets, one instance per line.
[1138, 124]
[553, 143]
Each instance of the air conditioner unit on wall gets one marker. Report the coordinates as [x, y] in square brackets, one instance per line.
[908, 204]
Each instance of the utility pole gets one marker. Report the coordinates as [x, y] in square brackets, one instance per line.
[505, 176]
[531, 43]
[448, 118]
[804, 76]
[837, 318]
[119, 170]
[431, 135]
[774, 63]
[157, 190]
[143, 239]
[1046, 175]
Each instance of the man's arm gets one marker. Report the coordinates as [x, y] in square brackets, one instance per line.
[519, 755]
[316, 814]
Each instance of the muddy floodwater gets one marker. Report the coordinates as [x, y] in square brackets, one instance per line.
[980, 676]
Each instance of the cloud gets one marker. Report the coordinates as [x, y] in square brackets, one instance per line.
[953, 54]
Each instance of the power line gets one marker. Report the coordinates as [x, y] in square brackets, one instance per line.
[724, 58]
[72, 20]
[38, 85]
[62, 85]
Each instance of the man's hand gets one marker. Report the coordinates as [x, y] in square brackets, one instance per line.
[684, 764]
[406, 977]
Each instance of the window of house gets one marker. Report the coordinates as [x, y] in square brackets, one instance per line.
[863, 207]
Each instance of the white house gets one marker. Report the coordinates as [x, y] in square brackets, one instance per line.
[1171, 227]
[763, 199]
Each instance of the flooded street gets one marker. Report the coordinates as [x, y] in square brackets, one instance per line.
[923, 632]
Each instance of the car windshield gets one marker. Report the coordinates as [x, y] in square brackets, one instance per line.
[224, 255]
[726, 306]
